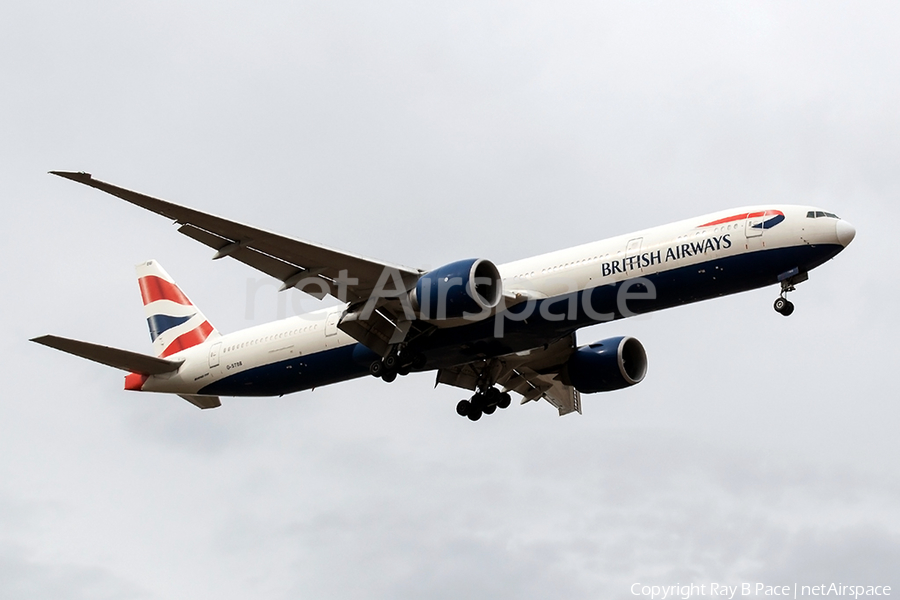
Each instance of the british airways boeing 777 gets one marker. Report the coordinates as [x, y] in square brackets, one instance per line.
[492, 329]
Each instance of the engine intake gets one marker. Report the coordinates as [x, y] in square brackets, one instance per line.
[607, 365]
[469, 286]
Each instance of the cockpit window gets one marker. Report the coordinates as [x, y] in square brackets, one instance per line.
[815, 214]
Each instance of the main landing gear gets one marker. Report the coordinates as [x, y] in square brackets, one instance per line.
[485, 402]
[396, 363]
[782, 305]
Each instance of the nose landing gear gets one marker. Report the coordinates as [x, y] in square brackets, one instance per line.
[782, 305]
[788, 280]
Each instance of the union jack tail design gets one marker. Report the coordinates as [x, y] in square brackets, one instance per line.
[175, 323]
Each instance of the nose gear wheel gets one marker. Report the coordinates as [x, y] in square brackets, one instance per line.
[784, 306]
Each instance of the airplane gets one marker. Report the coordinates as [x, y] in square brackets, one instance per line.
[490, 329]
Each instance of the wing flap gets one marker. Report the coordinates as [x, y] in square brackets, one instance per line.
[565, 398]
[132, 362]
[533, 386]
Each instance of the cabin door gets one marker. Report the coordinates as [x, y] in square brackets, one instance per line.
[331, 329]
[214, 355]
[754, 226]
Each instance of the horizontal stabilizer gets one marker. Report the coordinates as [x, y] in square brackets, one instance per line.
[203, 401]
[132, 362]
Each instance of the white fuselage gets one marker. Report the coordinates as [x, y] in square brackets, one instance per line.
[643, 253]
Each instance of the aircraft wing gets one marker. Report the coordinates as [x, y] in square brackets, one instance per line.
[316, 269]
[533, 386]
[533, 374]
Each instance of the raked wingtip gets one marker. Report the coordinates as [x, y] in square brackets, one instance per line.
[79, 176]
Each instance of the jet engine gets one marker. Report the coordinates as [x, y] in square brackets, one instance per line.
[607, 365]
[471, 286]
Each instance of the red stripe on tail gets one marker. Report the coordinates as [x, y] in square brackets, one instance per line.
[155, 288]
[188, 340]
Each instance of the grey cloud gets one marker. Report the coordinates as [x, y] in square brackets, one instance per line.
[861, 555]
[757, 447]
[588, 530]
[25, 578]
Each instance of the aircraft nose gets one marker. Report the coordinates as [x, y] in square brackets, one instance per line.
[845, 232]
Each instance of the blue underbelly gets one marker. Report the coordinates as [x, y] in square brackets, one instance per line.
[453, 346]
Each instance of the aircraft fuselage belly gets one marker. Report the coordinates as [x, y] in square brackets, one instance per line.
[714, 278]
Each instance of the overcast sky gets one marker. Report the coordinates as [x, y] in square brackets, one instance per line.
[758, 448]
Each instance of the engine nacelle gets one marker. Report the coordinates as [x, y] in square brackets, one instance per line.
[607, 365]
[470, 286]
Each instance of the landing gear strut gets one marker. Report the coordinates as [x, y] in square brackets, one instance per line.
[485, 402]
[782, 305]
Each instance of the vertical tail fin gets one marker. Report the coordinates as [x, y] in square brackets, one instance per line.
[175, 323]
